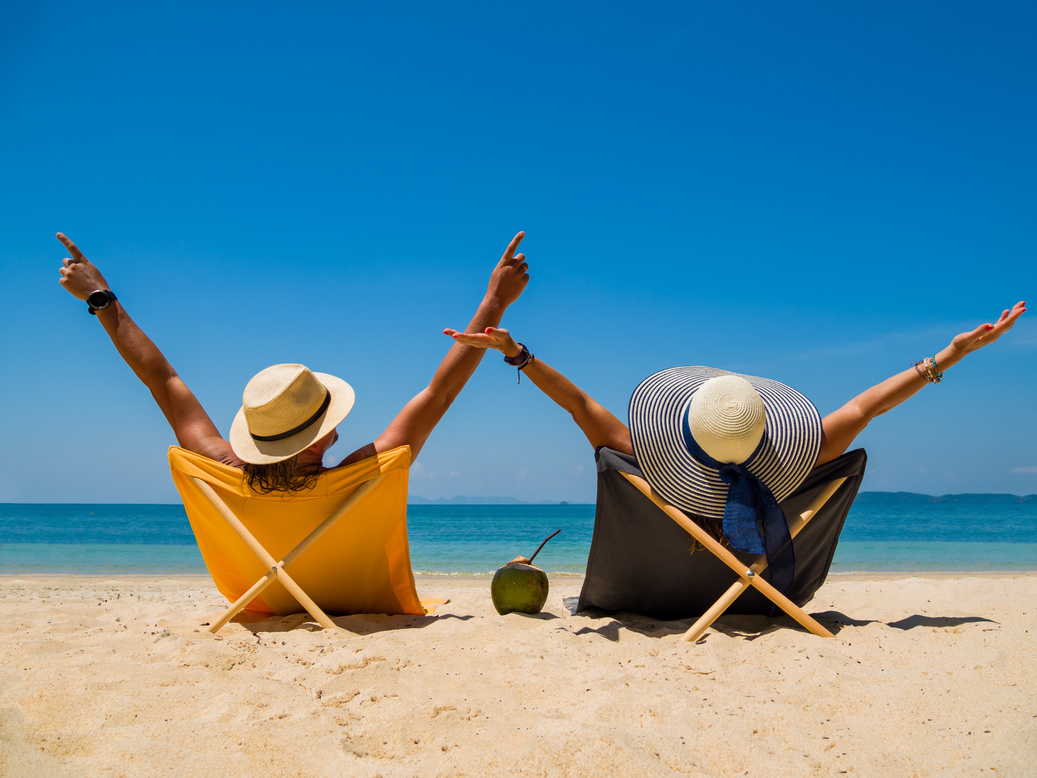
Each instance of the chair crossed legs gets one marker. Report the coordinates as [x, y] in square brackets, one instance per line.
[648, 557]
[276, 569]
[262, 549]
[746, 576]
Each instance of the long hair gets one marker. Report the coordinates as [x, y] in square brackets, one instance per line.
[715, 529]
[284, 476]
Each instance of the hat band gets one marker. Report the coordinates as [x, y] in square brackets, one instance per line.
[295, 430]
[750, 506]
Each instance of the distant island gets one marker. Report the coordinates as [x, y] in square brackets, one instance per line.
[864, 498]
[890, 498]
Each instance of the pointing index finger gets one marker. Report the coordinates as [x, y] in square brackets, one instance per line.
[509, 253]
[72, 247]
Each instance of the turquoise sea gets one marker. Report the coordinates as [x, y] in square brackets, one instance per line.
[477, 539]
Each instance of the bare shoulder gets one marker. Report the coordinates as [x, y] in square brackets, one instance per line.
[219, 450]
[364, 452]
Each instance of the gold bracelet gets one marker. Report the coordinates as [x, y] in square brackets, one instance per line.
[926, 368]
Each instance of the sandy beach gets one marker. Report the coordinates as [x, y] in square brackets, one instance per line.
[927, 676]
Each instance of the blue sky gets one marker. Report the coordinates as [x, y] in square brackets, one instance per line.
[817, 193]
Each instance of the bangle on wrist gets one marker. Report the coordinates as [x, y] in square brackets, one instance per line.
[927, 369]
[520, 360]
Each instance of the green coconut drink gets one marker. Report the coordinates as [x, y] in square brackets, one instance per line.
[519, 587]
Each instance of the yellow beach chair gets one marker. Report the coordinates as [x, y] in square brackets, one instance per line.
[339, 548]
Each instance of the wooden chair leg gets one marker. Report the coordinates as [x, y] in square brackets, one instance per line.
[241, 602]
[276, 569]
[304, 599]
[705, 621]
[748, 577]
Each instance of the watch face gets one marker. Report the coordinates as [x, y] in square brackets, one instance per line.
[98, 299]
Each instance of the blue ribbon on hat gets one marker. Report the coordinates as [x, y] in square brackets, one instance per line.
[751, 506]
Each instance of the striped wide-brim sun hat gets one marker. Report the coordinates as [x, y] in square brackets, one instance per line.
[670, 454]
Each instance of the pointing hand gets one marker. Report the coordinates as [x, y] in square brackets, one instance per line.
[78, 274]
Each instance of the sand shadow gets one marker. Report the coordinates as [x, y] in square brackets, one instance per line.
[632, 622]
[836, 621]
[744, 626]
[938, 622]
[542, 616]
[359, 625]
[752, 627]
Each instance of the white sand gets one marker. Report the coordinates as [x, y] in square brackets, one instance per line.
[926, 676]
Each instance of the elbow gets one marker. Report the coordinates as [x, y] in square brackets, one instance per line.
[440, 400]
[861, 414]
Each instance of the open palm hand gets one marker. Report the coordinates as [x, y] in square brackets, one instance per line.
[985, 334]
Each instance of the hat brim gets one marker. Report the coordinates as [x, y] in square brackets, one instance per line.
[268, 452]
[658, 408]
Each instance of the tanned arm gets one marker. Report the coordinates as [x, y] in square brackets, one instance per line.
[839, 429]
[600, 426]
[844, 425]
[419, 417]
[192, 426]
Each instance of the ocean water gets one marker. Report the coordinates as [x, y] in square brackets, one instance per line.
[477, 539]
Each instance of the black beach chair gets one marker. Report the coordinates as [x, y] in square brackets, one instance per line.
[642, 558]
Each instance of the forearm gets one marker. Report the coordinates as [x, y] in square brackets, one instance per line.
[419, 417]
[600, 426]
[843, 426]
[137, 350]
[896, 389]
[564, 392]
[461, 361]
[893, 391]
[192, 426]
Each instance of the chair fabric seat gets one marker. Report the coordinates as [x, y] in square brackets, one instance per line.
[641, 561]
[361, 565]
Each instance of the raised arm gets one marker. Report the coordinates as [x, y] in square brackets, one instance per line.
[419, 417]
[844, 425]
[192, 426]
[600, 426]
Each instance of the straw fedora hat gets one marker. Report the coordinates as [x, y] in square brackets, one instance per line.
[688, 422]
[286, 409]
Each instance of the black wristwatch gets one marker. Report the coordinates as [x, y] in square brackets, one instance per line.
[99, 299]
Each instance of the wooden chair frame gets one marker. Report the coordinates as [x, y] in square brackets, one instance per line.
[276, 568]
[746, 576]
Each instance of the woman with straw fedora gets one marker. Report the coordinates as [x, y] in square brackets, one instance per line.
[289, 413]
[730, 447]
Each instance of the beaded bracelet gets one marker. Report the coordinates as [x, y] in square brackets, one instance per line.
[520, 360]
[927, 369]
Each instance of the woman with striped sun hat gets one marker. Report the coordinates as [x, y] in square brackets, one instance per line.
[730, 447]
